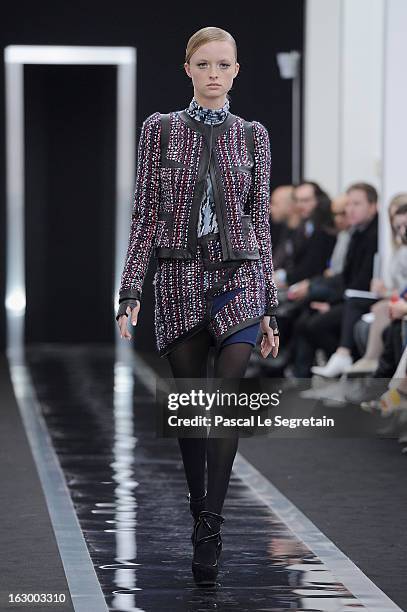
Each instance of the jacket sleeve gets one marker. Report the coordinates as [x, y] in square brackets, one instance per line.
[259, 207]
[145, 211]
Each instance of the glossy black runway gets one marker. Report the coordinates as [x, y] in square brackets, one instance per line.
[129, 493]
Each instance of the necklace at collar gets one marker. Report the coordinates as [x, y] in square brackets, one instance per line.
[208, 115]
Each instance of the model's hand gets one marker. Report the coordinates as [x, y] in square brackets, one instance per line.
[269, 342]
[122, 321]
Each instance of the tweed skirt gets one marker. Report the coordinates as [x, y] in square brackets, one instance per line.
[185, 293]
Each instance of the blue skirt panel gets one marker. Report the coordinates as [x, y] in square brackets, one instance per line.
[247, 334]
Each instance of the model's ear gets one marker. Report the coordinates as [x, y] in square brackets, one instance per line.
[237, 68]
[187, 70]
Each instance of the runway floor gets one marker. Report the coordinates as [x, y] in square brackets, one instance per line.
[110, 526]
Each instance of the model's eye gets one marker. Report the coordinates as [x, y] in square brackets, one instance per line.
[225, 65]
[202, 64]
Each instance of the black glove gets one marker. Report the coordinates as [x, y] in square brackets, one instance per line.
[128, 297]
[123, 307]
[273, 321]
[274, 326]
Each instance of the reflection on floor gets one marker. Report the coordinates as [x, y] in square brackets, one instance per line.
[129, 491]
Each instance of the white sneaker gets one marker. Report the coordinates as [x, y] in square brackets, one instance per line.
[336, 366]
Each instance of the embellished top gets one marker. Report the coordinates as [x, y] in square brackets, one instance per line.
[207, 222]
[149, 231]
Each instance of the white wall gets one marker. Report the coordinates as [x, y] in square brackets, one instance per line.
[394, 177]
[321, 93]
[355, 92]
[343, 92]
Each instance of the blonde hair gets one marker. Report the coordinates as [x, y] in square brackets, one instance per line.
[205, 35]
[398, 200]
[395, 203]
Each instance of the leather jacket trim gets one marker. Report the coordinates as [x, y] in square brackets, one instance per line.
[206, 162]
[194, 330]
[209, 163]
[205, 128]
[129, 294]
[210, 262]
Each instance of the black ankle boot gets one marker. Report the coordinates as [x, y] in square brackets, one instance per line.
[196, 505]
[205, 574]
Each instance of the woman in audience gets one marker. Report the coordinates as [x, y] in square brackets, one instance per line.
[398, 283]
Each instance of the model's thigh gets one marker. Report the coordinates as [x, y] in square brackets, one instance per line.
[189, 359]
[232, 360]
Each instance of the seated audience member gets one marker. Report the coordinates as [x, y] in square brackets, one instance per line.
[327, 318]
[341, 220]
[398, 284]
[284, 219]
[338, 207]
[310, 250]
[314, 238]
[395, 344]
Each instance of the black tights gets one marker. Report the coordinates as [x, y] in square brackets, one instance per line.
[189, 360]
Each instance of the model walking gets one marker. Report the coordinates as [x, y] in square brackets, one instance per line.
[202, 203]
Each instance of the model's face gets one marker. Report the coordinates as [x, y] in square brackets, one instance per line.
[212, 69]
[358, 207]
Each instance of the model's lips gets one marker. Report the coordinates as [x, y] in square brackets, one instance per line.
[213, 85]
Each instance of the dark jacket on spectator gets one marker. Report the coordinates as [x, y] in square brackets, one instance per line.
[358, 268]
[312, 249]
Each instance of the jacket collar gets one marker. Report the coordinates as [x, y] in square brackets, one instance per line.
[372, 223]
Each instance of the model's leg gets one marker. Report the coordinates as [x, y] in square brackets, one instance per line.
[189, 360]
[231, 362]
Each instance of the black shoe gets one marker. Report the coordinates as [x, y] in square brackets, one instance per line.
[196, 505]
[205, 574]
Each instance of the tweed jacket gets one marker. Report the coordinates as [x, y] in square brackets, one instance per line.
[169, 191]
